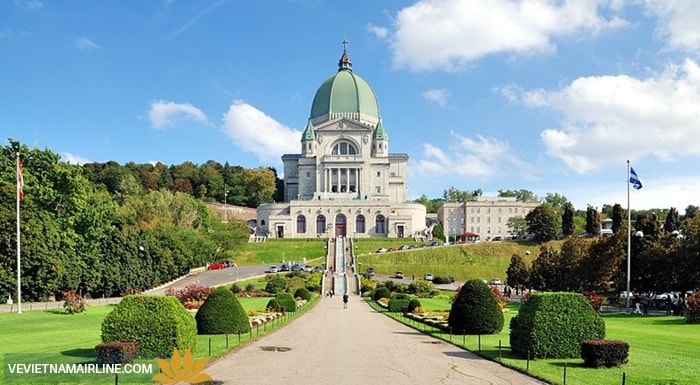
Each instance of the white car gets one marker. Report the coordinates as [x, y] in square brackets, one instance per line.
[273, 269]
[496, 281]
[428, 277]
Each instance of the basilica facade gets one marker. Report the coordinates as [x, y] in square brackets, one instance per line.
[345, 182]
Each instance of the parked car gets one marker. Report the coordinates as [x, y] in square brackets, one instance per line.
[399, 275]
[273, 269]
[370, 272]
[403, 247]
[284, 267]
[217, 266]
[496, 281]
[434, 243]
[392, 249]
[381, 250]
[497, 238]
[428, 277]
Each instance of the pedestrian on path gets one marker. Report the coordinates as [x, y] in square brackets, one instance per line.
[345, 301]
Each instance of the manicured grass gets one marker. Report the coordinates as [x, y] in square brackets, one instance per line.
[276, 250]
[53, 331]
[472, 261]
[663, 350]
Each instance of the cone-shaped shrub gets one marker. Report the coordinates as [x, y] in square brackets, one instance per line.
[156, 323]
[222, 313]
[273, 305]
[415, 303]
[475, 310]
[303, 293]
[287, 302]
[381, 292]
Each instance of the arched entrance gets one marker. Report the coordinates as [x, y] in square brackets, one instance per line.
[340, 225]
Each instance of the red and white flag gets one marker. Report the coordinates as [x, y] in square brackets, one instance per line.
[20, 180]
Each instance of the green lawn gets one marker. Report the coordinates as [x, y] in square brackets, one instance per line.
[663, 350]
[277, 250]
[53, 331]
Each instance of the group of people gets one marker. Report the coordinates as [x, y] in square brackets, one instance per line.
[673, 304]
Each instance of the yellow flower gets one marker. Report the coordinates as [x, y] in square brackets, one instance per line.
[180, 369]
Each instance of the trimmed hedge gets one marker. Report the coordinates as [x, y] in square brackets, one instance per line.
[158, 324]
[273, 305]
[553, 325]
[381, 292]
[303, 293]
[606, 353]
[398, 303]
[111, 353]
[475, 310]
[287, 302]
[413, 304]
[222, 313]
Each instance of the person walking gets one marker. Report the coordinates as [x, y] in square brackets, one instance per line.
[345, 300]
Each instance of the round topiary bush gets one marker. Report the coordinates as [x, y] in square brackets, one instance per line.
[156, 323]
[553, 325]
[381, 292]
[398, 303]
[475, 310]
[287, 302]
[273, 305]
[413, 304]
[222, 313]
[303, 293]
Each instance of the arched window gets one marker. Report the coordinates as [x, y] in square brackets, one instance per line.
[360, 224]
[380, 227]
[344, 148]
[320, 224]
[301, 224]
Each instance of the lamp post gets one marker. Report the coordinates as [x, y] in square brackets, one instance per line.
[225, 206]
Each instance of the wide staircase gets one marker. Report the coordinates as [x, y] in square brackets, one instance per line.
[340, 275]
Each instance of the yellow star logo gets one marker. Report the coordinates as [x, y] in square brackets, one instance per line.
[180, 369]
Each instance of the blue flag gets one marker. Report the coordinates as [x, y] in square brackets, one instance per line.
[634, 179]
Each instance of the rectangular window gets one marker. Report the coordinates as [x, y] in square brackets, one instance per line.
[378, 189]
[379, 173]
[393, 174]
[308, 174]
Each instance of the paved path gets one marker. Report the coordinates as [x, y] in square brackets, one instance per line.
[356, 346]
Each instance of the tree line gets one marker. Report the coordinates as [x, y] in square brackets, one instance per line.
[662, 259]
[107, 232]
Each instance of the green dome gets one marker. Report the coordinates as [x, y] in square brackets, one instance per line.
[345, 93]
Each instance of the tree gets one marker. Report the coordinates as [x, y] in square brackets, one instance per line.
[521, 195]
[518, 274]
[543, 275]
[617, 214]
[567, 220]
[672, 223]
[592, 221]
[691, 211]
[517, 226]
[542, 223]
[452, 194]
[557, 201]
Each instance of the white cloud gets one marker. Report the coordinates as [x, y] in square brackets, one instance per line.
[608, 119]
[254, 131]
[449, 34]
[86, 44]
[678, 23]
[438, 96]
[74, 159]
[164, 114]
[470, 157]
[380, 32]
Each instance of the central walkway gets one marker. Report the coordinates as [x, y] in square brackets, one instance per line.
[356, 346]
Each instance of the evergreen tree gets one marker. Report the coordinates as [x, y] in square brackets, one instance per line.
[617, 214]
[542, 223]
[567, 220]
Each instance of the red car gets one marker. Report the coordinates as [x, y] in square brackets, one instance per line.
[217, 266]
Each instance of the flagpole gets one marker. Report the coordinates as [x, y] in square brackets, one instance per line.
[19, 273]
[629, 237]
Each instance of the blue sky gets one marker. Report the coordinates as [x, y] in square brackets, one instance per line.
[550, 96]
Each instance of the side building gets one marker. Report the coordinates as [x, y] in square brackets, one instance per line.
[345, 182]
[483, 219]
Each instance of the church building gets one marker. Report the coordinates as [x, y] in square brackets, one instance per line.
[345, 182]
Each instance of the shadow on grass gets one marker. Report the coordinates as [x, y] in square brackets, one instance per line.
[577, 365]
[82, 353]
